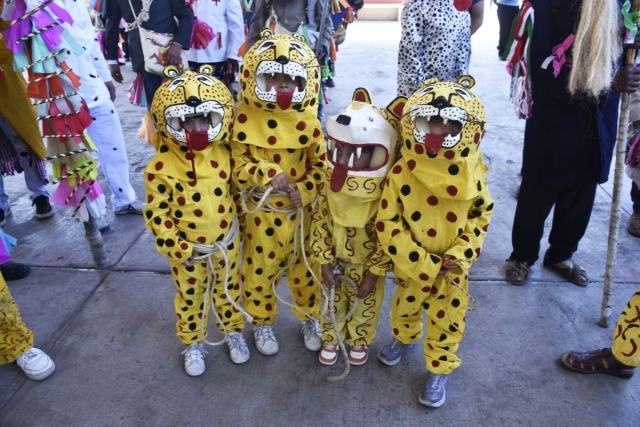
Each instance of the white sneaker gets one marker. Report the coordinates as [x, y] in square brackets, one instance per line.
[265, 340]
[135, 208]
[103, 224]
[36, 364]
[237, 347]
[311, 332]
[194, 359]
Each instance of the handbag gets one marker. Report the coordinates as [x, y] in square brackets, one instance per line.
[154, 45]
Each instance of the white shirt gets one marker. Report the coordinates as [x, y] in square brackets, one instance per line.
[225, 19]
[90, 66]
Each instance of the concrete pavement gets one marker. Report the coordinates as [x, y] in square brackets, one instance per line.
[112, 336]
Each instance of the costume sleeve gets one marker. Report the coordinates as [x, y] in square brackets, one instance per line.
[158, 219]
[184, 15]
[248, 171]
[235, 25]
[316, 170]
[112, 30]
[397, 241]
[468, 245]
[322, 246]
[99, 63]
[379, 262]
[327, 30]
[257, 22]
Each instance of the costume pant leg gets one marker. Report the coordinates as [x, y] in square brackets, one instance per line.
[106, 133]
[341, 303]
[363, 324]
[151, 84]
[406, 316]
[412, 48]
[191, 283]
[626, 335]
[635, 197]
[446, 311]
[4, 197]
[305, 290]
[506, 16]
[570, 221]
[534, 205]
[15, 337]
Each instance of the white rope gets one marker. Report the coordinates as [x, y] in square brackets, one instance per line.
[143, 16]
[206, 253]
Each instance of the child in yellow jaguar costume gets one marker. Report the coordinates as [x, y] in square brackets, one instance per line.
[279, 153]
[363, 142]
[191, 208]
[433, 217]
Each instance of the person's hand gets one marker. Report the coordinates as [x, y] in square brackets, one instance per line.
[322, 55]
[280, 182]
[115, 72]
[627, 79]
[172, 55]
[295, 196]
[112, 90]
[189, 262]
[328, 277]
[448, 263]
[367, 286]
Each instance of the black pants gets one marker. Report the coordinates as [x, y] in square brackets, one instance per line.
[570, 220]
[506, 15]
[635, 197]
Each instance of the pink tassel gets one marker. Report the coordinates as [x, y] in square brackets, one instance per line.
[201, 35]
[136, 92]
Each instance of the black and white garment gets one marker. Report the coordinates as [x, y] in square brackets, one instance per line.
[435, 42]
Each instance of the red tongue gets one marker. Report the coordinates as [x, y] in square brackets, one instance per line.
[284, 99]
[338, 177]
[198, 140]
[433, 143]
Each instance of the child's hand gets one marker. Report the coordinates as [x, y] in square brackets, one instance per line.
[367, 286]
[280, 182]
[295, 196]
[329, 278]
[188, 262]
[448, 263]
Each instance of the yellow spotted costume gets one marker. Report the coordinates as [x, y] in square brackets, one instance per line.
[343, 228]
[272, 136]
[191, 199]
[626, 335]
[436, 203]
[15, 337]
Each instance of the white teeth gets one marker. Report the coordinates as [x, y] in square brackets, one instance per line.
[350, 161]
[428, 118]
[292, 77]
[444, 121]
[273, 90]
[182, 117]
[359, 152]
[335, 155]
[273, 75]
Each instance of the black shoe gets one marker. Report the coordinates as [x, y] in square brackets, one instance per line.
[14, 271]
[4, 214]
[43, 207]
[330, 82]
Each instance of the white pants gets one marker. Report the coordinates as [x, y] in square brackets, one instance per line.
[106, 133]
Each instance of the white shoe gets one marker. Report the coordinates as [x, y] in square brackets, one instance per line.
[36, 364]
[237, 347]
[103, 224]
[328, 354]
[311, 332]
[135, 208]
[194, 359]
[265, 340]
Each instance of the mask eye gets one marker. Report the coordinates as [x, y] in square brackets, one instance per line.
[176, 83]
[299, 48]
[205, 80]
[265, 45]
[463, 94]
[426, 90]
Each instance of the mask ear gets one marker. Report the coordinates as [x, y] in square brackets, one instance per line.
[299, 37]
[431, 81]
[206, 69]
[171, 72]
[467, 81]
[397, 106]
[362, 95]
[266, 33]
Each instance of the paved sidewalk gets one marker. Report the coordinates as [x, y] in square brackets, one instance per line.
[112, 335]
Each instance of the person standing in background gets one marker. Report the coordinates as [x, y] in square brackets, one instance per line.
[507, 12]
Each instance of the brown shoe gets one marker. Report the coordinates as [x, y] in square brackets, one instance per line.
[595, 362]
[328, 354]
[358, 355]
[633, 226]
[571, 272]
[517, 272]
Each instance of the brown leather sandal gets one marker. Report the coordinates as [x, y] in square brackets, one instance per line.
[595, 362]
[571, 272]
[517, 272]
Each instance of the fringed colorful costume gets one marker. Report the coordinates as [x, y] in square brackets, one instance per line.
[343, 229]
[435, 42]
[190, 208]
[278, 133]
[42, 47]
[436, 206]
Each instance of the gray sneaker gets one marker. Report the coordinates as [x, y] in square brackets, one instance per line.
[266, 342]
[237, 348]
[391, 354]
[133, 208]
[311, 332]
[434, 391]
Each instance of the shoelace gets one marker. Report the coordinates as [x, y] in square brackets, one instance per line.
[190, 350]
[29, 355]
[396, 345]
[236, 342]
[310, 327]
[265, 333]
[435, 381]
